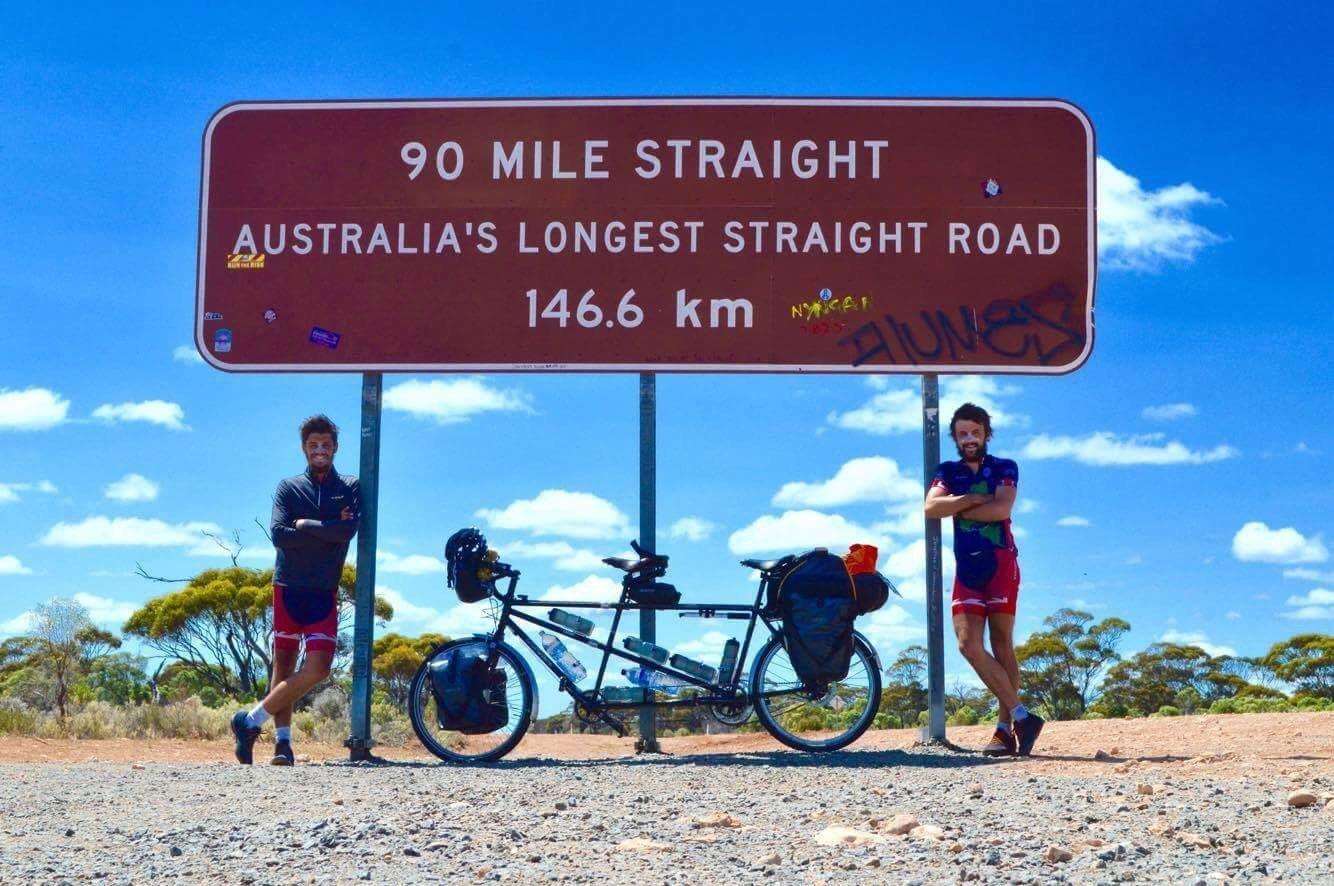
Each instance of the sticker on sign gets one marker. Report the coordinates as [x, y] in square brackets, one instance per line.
[669, 235]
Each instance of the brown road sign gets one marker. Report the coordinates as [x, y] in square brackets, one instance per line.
[685, 234]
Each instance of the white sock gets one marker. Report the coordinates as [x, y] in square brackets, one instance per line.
[282, 733]
[258, 716]
[1019, 712]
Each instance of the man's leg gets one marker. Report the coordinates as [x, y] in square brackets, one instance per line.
[968, 630]
[314, 671]
[284, 665]
[1000, 629]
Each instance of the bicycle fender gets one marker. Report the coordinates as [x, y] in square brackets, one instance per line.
[875, 656]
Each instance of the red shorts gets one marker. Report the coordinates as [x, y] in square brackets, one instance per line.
[301, 615]
[1001, 594]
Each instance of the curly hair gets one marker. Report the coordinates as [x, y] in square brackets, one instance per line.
[318, 424]
[972, 412]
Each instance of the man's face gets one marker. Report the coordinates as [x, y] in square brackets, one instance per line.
[319, 449]
[971, 439]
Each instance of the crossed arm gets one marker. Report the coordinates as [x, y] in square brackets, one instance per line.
[306, 533]
[971, 505]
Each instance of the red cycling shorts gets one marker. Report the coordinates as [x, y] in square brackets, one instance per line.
[304, 615]
[1001, 594]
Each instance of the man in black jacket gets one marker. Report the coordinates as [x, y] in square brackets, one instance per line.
[314, 518]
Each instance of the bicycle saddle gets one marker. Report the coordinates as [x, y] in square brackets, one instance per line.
[767, 565]
[646, 560]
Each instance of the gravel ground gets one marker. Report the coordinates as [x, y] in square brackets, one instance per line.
[768, 816]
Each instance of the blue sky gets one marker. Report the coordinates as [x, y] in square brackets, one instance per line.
[1176, 480]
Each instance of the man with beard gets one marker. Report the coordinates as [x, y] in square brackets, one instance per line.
[979, 491]
[315, 515]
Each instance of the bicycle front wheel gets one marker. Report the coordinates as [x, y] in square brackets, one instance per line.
[455, 747]
[794, 714]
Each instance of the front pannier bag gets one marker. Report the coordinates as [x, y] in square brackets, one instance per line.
[817, 603]
[469, 697]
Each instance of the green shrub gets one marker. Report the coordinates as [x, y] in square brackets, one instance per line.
[16, 718]
[964, 716]
[1093, 715]
[1168, 710]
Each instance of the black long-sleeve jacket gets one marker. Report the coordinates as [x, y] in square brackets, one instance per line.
[312, 558]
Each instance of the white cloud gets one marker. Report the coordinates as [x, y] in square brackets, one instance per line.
[1232, 615]
[126, 532]
[154, 412]
[1313, 597]
[10, 565]
[1073, 520]
[32, 409]
[1310, 613]
[1141, 230]
[559, 512]
[132, 487]
[453, 401]
[799, 531]
[898, 410]
[412, 564]
[105, 611]
[593, 589]
[563, 555]
[1196, 638]
[457, 621]
[1304, 574]
[186, 354]
[691, 529]
[873, 478]
[891, 626]
[1255, 542]
[19, 624]
[707, 649]
[1105, 449]
[1026, 506]
[9, 492]
[1169, 411]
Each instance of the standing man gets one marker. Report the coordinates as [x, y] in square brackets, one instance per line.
[314, 517]
[979, 491]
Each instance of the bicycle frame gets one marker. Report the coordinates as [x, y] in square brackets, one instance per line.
[723, 692]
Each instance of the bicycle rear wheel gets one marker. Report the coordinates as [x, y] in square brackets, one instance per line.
[795, 715]
[454, 747]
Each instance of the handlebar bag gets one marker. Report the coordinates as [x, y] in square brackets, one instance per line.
[469, 696]
[872, 591]
[818, 603]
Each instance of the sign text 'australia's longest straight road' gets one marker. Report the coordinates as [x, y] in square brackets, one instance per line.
[723, 235]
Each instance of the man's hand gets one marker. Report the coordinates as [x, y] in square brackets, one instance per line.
[346, 514]
[305, 523]
[978, 498]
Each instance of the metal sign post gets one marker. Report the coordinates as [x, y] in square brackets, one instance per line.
[363, 631]
[648, 526]
[935, 615]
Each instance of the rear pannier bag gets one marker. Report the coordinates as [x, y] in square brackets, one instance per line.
[818, 603]
[469, 697]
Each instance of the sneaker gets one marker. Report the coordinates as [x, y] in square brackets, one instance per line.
[1002, 744]
[245, 737]
[282, 754]
[1027, 730]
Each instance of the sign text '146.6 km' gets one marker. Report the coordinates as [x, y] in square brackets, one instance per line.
[727, 313]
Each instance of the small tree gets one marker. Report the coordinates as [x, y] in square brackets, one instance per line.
[65, 643]
[397, 658]
[1306, 661]
[904, 695]
[1061, 666]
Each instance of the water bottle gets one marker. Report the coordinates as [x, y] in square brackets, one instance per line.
[565, 660]
[694, 668]
[654, 680]
[646, 649]
[623, 694]
[728, 664]
[576, 623]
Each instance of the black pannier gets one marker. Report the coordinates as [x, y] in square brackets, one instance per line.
[872, 591]
[817, 603]
[469, 697]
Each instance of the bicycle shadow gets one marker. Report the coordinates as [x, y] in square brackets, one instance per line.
[850, 759]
